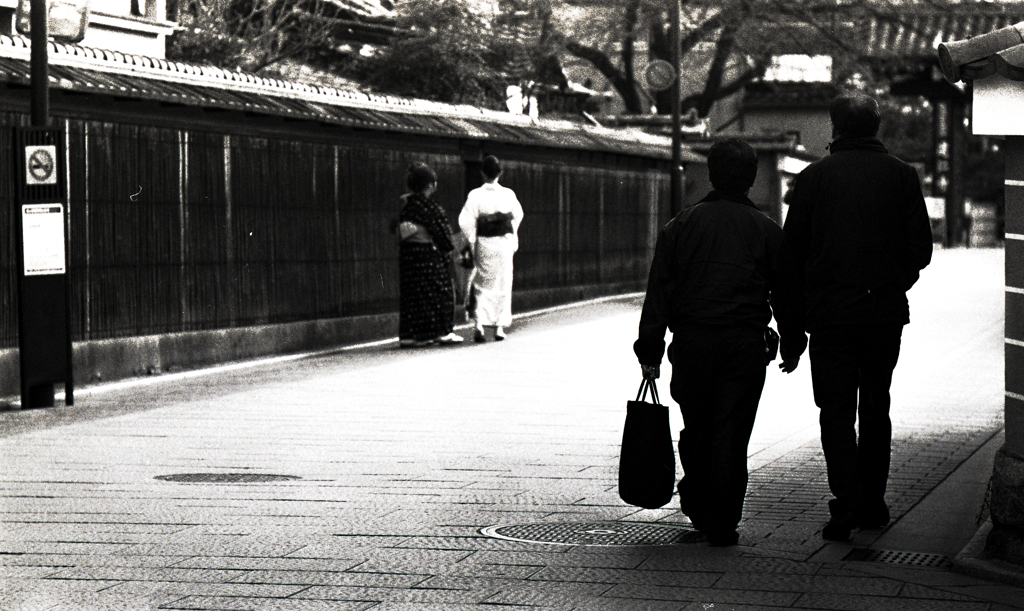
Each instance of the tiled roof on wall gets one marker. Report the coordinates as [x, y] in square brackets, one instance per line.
[997, 52]
[88, 70]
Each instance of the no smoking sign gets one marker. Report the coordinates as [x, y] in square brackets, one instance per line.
[41, 165]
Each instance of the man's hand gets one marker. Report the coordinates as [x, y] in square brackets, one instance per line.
[789, 364]
[651, 372]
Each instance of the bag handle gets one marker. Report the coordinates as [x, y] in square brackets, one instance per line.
[641, 395]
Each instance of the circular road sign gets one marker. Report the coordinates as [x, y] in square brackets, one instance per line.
[660, 75]
[41, 165]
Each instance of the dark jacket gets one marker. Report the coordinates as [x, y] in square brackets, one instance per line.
[859, 229]
[720, 263]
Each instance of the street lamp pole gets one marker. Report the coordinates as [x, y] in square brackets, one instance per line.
[39, 69]
[676, 196]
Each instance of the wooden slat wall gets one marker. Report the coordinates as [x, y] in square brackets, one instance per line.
[178, 230]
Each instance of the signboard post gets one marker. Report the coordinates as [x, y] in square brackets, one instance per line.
[44, 320]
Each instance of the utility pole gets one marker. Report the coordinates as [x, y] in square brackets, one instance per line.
[676, 197]
[39, 60]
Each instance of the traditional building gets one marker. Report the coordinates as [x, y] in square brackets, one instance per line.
[992, 66]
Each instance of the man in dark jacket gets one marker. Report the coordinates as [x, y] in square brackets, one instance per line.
[859, 229]
[719, 268]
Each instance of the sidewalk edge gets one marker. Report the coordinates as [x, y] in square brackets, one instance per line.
[971, 561]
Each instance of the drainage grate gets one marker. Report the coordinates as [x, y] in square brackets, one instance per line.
[595, 533]
[934, 561]
[225, 478]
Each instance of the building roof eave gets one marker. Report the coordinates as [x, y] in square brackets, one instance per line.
[88, 70]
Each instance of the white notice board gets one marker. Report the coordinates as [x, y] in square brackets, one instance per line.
[42, 232]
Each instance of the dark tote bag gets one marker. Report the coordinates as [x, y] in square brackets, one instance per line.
[647, 460]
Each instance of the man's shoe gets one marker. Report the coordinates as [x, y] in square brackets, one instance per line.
[839, 527]
[874, 518]
[478, 336]
[499, 334]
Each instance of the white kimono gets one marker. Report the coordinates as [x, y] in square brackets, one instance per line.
[492, 283]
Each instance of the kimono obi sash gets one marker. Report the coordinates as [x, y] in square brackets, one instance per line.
[494, 225]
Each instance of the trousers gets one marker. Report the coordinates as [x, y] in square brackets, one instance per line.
[851, 372]
[717, 378]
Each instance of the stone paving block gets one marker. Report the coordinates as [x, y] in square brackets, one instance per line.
[325, 578]
[478, 584]
[913, 590]
[618, 604]
[245, 590]
[565, 596]
[386, 559]
[369, 541]
[869, 586]
[728, 560]
[991, 592]
[702, 595]
[226, 603]
[123, 573]
[115, 599]
[729, 607]
[210, 546]
[42, 594]
[848, 602]
[441, 598]
[470, 569]
[617, 576]
[62, 548]
[270, 564]
[554, 557]
[469, 544]
[10, 573]
[392, 606]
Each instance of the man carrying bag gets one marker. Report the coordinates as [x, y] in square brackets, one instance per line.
[720, 269]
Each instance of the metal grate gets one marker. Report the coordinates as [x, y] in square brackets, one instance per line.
[225, 478]
[595, 533]
[935, 561]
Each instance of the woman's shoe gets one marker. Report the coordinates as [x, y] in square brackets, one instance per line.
[499, 334]
[478, 336]
[451, 338]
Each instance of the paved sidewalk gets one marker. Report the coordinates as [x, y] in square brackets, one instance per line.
[418, 473]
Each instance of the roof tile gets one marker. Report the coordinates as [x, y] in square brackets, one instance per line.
[78, 68]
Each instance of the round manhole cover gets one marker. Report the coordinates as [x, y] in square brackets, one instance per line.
[226, 478]
[595, 533]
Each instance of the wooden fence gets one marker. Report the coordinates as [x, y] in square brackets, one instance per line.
[176, 229]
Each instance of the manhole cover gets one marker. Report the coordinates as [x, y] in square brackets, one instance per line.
[935, 561]
[225, 478]
[595, 533]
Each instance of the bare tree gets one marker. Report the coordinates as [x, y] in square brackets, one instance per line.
[725, 44]
[453, 51]
[251, 35]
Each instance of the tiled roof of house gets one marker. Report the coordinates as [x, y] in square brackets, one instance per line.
[996, 52]
[87, 70]
[917, 35]
[909, 33]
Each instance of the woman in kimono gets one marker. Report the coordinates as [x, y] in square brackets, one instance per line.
[426, 294]
[490, 221]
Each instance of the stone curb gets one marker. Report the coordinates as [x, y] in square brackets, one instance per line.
[971, 561]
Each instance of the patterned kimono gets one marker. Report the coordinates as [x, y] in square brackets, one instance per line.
[426, 295]
[490, 221]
